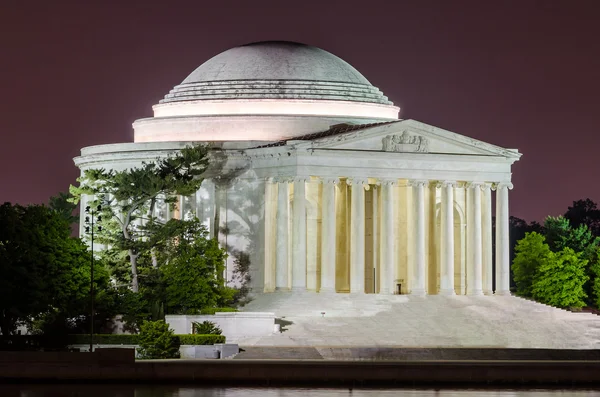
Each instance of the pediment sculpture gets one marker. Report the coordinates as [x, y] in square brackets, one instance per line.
[405, 143]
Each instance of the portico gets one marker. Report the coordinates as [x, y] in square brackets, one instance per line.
[428, 264]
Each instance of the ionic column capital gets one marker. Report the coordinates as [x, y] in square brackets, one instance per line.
[364, 182]
[282, 179]
[300, 179]
[502, 185]
[442, 184]
[328, 180]
[389, 181]
[418, 183]
[475, 185]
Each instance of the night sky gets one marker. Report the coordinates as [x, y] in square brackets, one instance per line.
[519, 74]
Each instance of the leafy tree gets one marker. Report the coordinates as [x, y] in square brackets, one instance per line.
[560, 234]
[560, 280]
[42, 268]
[131, 195]
[158, 341]
[585, 212]
[193, 268]
[532, 253]
[63, 205]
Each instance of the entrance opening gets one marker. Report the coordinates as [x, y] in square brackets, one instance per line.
[399, 289]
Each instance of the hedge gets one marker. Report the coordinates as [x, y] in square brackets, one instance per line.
[213, 310]
[201, 339]
[125, 339]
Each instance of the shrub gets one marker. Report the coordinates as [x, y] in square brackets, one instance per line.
[205, 328]
[201, 339]
[156, 340]
[213, 310]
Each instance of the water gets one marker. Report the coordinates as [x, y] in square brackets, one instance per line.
[166, 391]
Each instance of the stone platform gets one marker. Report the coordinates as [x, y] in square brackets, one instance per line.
[344, 320]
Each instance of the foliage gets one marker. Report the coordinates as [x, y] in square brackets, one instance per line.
[585, 212]
[193, 270]
[197, 339]
[560, 279]
[241, 277]
[205, 328]
[63, 205]
[531, 254]
[43, 270]
[560, 234]
[131, 195]
[156, 340]
[213, 310]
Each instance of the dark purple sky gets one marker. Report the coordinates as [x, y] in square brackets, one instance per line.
[520, 74]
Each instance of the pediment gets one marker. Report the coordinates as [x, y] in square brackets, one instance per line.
[410, 136]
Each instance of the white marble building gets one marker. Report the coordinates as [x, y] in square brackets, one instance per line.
[320, 182]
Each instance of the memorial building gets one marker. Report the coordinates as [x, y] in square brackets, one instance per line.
[316, 178]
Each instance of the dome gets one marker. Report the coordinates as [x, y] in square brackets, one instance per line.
[266, 91]
[276, 70]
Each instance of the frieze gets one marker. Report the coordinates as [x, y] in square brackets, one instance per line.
[406, 143]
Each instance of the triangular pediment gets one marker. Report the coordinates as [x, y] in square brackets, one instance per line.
[410, 136]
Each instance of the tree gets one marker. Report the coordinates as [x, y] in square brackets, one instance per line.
[560, 234]
[532, 253]
[585, 212]
[560, 280]
[42, 268]
[132, 194]
[193, 268]
[63, 205]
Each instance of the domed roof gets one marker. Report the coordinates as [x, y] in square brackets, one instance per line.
[276, 70]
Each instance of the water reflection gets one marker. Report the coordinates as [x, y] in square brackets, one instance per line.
[166, 391]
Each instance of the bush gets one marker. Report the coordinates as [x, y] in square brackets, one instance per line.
[156, 340]
[201, 339]
[213, 310]
[205, 328]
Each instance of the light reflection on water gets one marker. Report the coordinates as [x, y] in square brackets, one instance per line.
[166, 391]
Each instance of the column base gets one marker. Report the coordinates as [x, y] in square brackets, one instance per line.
[280, 289]
[488, 293]
[327, 291]
[476, 292]
[418, 292]
[502, 293]
[447, 292]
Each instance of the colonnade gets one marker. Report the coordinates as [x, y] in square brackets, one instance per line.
[286, 265]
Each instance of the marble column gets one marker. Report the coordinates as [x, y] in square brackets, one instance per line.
[270, 241]
[299, 235]
[487, 239]
[281, 272]
[502, 240]
[387, 265]
[357, 235]
[418, 274]
[474, 285]
[328, 235]
[447, 238]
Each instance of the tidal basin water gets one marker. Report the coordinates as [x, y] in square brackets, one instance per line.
[170, 391]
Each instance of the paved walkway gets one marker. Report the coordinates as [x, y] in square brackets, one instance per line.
[343, 320]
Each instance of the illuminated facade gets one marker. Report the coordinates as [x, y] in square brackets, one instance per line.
[317, 179]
